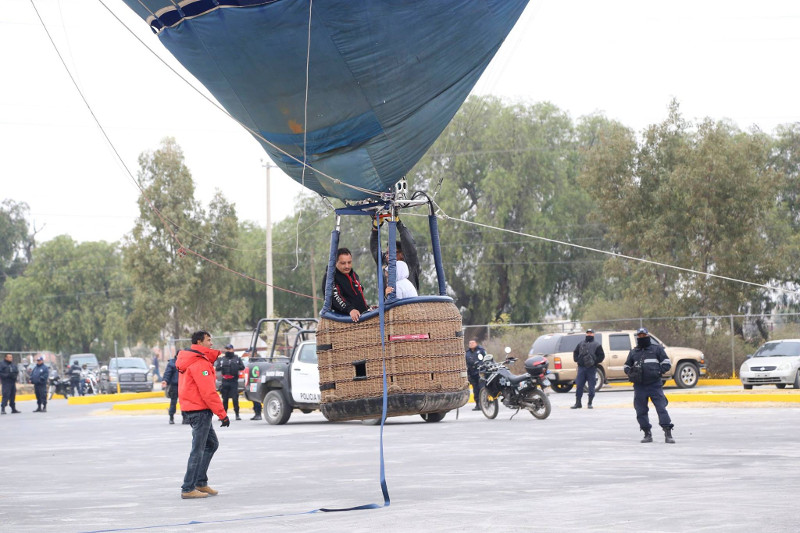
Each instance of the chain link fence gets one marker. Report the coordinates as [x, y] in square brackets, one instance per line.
[725, 340]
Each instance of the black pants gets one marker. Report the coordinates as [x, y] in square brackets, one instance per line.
[475, 381]
[75, 387]
[585, 376]
[230, 390]
[173, 400]
[9, 393]
[655, 392]
[41, 394]
[257, 408]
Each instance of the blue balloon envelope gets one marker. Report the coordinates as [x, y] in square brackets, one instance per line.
[384, 77]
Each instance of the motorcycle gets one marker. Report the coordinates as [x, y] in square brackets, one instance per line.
[57, 386]
[523, 391]
[89, 379]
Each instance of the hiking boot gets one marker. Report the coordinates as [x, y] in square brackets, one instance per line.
[476, 408]
[38, 409]
[576, 406]
[256, 417]
[171, 420]
[3, 411]
[648, 436]
[238, 417]
[207, 490]
[668, 436]
[589, 406]
[44, 409]
[14, 411]
[193, 495]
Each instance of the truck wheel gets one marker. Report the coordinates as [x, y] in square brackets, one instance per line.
[562, 386]
[686, 375]
[433, 417]
[600, 379]
[276, 410]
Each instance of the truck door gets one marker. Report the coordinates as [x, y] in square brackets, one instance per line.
[305, 374]
[619, 345]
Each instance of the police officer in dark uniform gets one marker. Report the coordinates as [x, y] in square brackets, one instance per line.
[75, 379]
[8, 377]
[588, 354]
[39, 376]
[229, 366]
[170, 384]
[645, 365]
[474, 356]
[257, 409]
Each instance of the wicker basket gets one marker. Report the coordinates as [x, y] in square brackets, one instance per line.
[424, 357]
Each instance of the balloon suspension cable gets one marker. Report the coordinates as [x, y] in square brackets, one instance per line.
[303, 163]
[618, 255]
[305, 102]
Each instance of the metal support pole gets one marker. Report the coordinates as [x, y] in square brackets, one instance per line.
[733, 351]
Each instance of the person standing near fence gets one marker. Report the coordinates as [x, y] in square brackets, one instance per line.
[474, 356]
[645, 365]
[8, 377]
[170, 386]
[588, 354]
[39, 376]
[229, 367]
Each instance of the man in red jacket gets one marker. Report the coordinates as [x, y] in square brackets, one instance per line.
[197, 393]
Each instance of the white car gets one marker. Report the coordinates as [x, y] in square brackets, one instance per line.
[775, 363]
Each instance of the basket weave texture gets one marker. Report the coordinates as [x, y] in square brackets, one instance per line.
[352, 367]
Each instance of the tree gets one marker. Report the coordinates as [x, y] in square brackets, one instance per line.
[694, 198]
[16, 241]
[72, 297]
[178, 291]
[515, 167]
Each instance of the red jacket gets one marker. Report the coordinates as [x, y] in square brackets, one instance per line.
[197, 388]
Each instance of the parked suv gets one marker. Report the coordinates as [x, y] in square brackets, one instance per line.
[688, 364]
[131, 373]
[88, 359]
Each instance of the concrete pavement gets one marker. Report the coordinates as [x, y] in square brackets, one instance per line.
[734, 468]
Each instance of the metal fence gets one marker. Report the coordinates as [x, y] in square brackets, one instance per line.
[725, 340]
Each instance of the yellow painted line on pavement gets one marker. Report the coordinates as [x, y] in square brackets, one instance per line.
[160, 406]
[701, 382]
[737, 397]
[105, 398]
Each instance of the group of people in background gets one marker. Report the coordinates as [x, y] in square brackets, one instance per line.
[645, 365]
[9, 373]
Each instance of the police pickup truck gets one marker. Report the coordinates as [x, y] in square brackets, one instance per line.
[282, 370]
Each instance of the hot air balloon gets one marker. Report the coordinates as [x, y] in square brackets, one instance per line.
[346, 96]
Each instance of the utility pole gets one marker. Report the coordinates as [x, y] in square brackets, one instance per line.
[268, 165]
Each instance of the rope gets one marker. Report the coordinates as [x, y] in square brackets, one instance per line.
[305, 101]
[256, 134]
[619, 255]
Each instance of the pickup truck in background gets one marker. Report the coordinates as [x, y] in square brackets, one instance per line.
[281, 371]
[688, 364]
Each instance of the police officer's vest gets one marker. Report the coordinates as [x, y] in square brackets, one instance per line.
[229, 367]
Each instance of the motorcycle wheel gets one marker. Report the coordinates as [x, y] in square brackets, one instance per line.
[490, 408]
[541, 404]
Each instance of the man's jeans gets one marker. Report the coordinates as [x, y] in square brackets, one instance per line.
[204, 444]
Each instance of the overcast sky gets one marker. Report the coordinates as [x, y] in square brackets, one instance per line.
[727, 59]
